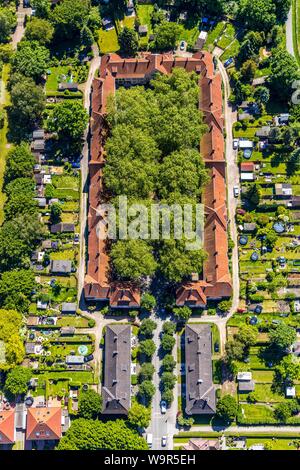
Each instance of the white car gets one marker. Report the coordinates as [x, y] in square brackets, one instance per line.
[164, 441]
[163, 407]
[236, 191]
[235, 144]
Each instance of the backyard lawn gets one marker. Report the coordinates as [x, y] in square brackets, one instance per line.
[108, 41]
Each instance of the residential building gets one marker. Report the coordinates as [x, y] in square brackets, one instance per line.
[203, 444]
[61, 267]
[44, 424]
[117, 370]
[62, 228]
[200, 390]
[283, 190]
[7, 427]
[263, 132]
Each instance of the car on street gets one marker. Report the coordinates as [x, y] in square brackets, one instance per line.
[236, 191]
[164, 441]
[182, 45]
[163, 407]
[235, 144]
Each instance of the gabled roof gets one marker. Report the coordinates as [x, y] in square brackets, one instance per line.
[200, 390]
[7, 426]
[43, 424]
[117, 370]
[124, 295]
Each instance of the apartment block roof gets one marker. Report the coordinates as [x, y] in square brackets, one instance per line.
[117, 370]
[200, 390]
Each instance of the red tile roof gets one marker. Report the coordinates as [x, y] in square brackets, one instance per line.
[43, 424]
[7, 427]
[216, 281]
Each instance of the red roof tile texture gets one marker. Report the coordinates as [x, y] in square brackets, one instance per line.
[43, 424]
[7, 427]
[216, 282]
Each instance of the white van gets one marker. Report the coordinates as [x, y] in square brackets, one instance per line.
[149, 440]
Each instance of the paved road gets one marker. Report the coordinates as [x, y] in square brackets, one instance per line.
[162, 424]
[289, 33]
[20, 29]
[95, 64]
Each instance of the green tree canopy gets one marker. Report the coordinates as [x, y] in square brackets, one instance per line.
[132, 259]
[8, 21]
[167, 342]
[69, 120]
[17, 380]
[19, 163]
[128, 41]
[31, 59]
[168, 363]
[147, 327]
[166, 35]
[39, 30]
[146, 371]
[69, 17]
[87, 434]
[146, 390]
[283, 336]
[27, 106]
[147, 347]
[10, 326]
[16, 288]
[258, 15]
[227, 408]
[139, 416]
[42, 8]
[182, 313]
[284, 72]
[89, 405]
[18, 238]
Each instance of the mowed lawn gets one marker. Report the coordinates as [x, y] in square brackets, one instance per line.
[108, 41]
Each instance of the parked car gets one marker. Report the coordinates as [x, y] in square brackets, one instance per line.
[163, 406]
[236, 191]
[149, 440]
[164, 441]
[235, 144]
[88, 358]
[228, 62]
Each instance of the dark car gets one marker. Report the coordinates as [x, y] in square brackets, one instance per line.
[88, 358]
